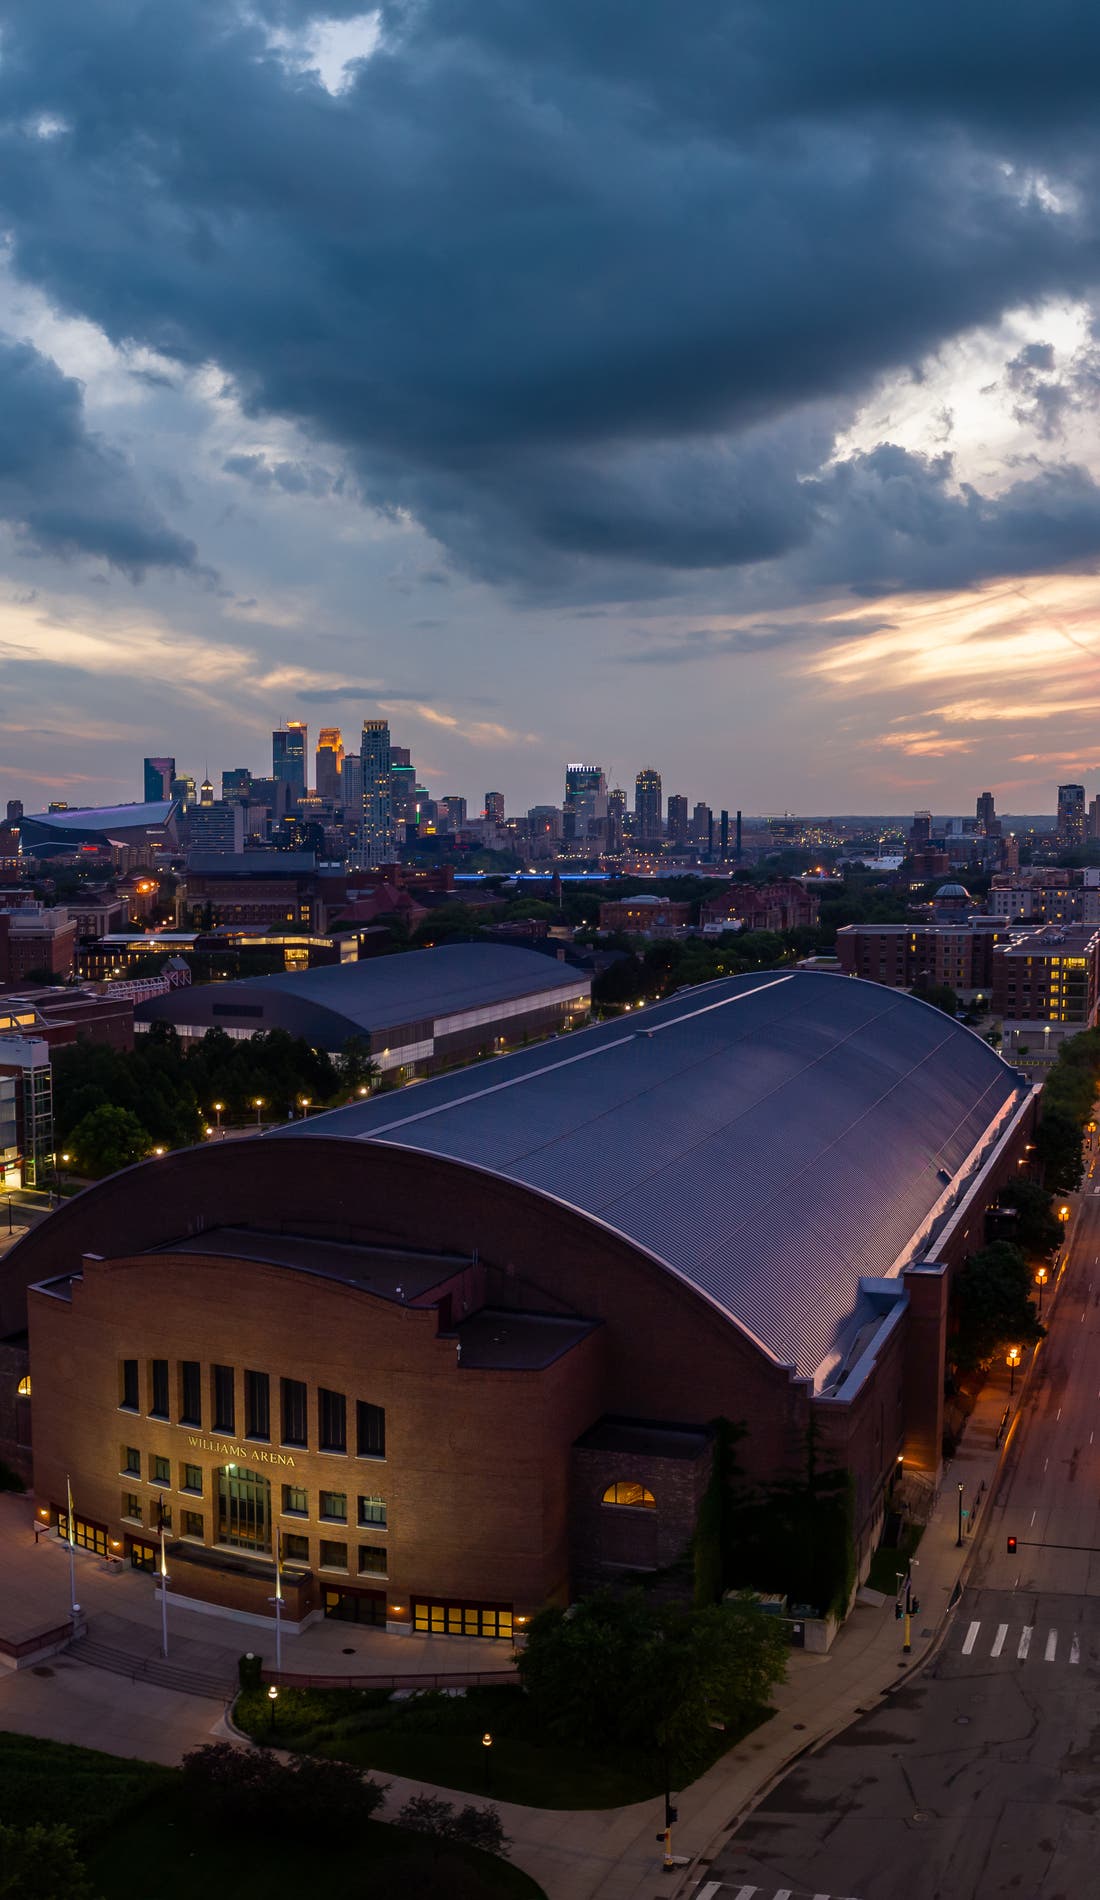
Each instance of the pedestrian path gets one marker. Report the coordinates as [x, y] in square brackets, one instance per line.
[729, 1890]
[1026, 1642]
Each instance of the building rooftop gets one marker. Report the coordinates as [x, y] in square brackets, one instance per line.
[105, 818]
[770, 1139]
[390, 1273]
[500, 1341]
[418, 986]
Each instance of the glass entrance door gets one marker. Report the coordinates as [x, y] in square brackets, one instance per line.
[244, 1508]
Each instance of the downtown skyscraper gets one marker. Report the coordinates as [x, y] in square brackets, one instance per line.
[376, 833]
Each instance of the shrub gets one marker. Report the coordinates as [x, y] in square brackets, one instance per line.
[229, 1785]
[40, 1863]
[472, 1826]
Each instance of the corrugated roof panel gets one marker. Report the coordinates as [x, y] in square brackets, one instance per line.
[771, 1138]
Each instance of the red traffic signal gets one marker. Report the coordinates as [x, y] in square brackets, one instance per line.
[1012, 1547]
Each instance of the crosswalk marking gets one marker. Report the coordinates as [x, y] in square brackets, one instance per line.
[713, 1888]
[998, 1642]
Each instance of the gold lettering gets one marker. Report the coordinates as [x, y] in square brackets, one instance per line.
[238, 1454]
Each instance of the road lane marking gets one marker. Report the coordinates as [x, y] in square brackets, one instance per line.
[1075, 1650]
[999, 1639]
[1031, 1525]
[1025, 1643]
[1052, 1646]
[1046, 1461]
[971, 1638]
[783, 1893]
[708, 1892]
[746, 1893]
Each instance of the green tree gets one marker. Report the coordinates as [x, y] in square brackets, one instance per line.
[109, 1139]
[41, 1863]
[621, 1672]
[1038, 1229]
[1058, 1150]
[992, 1305]
[356, 1067]
[940, 995]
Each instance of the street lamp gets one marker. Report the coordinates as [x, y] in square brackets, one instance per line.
[1041, 1278]
[257, 1103]
[1063, 1214]
[272, 1698]
[218, 1107]
[1012, 1360]
[304, 1104]
[487, 1745]
[959, 1538]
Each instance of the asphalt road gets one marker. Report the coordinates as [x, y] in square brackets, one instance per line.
[981, 1777]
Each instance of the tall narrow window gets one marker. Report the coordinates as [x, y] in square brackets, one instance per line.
[257, 1405]
[295, 1400]
[190, 1392]
[158, 1388]
[370, 1430]
[225, 1410]
[129, 1386]
[333, 1413]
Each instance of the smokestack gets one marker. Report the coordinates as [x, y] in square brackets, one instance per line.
[724, 833]
[737, 847]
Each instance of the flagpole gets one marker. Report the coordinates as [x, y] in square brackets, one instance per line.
[163, 1591]
[277, 1600]
[74, 1607]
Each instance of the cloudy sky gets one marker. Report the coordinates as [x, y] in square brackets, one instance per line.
[711, 386]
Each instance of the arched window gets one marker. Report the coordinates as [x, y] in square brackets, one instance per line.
[629, 1492]
[24, 1386]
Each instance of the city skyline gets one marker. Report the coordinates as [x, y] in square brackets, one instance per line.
[803, 480]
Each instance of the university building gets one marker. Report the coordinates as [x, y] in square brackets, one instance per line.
[462, 1350]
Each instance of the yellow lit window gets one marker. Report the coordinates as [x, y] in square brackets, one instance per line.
[24, 1386]
[630, 1493]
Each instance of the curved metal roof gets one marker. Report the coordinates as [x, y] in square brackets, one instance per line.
[334, 1001]
[770, 1139]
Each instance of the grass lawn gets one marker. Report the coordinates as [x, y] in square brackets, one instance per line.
[135, 1835]
[886, 1564]
[437, 1739]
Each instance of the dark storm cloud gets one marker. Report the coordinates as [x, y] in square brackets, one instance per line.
[572, 285]
[61, 488]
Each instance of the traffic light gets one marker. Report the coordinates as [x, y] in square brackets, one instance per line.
[672, 1815]
[914, 1606]
[1012, 1547]
[898, 1611]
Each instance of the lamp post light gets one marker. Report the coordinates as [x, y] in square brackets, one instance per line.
[257, 1103]
[487, 1745]
[272, 1698]
[1041, 1279]
[1012, 1360]
[959, 1538]
[218, 1107]
[304, 1102]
